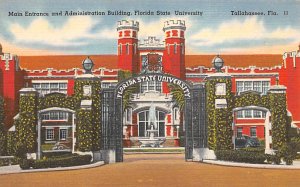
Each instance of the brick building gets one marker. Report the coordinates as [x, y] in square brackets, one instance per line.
[48, 74]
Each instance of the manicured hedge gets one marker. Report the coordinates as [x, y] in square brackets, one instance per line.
[73, 160]
[252, 157]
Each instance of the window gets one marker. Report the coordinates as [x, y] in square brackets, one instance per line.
[127, 49]
[265, 87]
[247, 85]
[49, 134]
[55, 115]
[107, 84]
[259, 86]
[257, 114]
[168, 46]
[253, 131]
[120, 49]
[151, 86]
[176, 116]
[128, 115]
[248, 114]
[239, 132]
[239, 86]
[63, 134]
[144, 126]
[240, 114]
[134, 48]
[44, 88]
[175, 48]
[182, 48]
[251, 114]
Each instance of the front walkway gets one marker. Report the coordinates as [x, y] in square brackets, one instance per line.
[156, 170]
[296, 165]
[17, 169]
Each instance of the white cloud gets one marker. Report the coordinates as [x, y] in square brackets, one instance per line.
[41, 31]
[155, 28]
[234, 30]
[263, 49]
[9, 47]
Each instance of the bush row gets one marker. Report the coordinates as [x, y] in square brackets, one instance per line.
[253, 157]
[73, 160]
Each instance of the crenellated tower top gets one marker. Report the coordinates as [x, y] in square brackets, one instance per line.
[174, 24]
[128, 24]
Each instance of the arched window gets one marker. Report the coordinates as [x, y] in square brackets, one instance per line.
[176, 115]
[127, 49]
[168, 48]
[175, 48]
[144, 126]
[134, 48]
[120, 49]
[182, 48]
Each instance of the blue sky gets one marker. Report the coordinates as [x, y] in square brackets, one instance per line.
[216, 31]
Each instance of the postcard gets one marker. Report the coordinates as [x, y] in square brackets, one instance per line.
[149, 93]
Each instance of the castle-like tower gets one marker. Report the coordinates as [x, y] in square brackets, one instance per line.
[11, 81]
[174, 54]
[128, 57]
[289, 76]
[172, 51]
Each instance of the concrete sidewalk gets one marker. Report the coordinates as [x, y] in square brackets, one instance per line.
[16, 168]
[296, 165]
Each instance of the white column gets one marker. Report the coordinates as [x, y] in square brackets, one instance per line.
[39, 138]
[73, 132]
[233, 134]
[268, 138]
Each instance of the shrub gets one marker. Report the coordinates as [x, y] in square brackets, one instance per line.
[73, 160]
[253, 157]
[276, 159]
[57, 154]
[288, 152]
[26, 163]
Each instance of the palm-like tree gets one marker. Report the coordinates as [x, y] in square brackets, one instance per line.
[178, 96]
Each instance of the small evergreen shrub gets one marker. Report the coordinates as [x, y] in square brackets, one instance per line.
[73, 160]
[252, 157]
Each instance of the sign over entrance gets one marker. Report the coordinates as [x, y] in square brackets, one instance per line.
[153, 77]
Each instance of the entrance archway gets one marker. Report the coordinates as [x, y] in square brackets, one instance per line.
[267, 125]
[60, 121]
[194, 113]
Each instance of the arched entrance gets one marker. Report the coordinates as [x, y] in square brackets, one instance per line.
[194, 114]
[56, 130]
[255, 110]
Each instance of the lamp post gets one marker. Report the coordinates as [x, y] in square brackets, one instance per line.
[88, 65]
[218, 63]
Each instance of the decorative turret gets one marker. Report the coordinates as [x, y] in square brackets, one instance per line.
[174, 56]
[132, 26]
[128, 45]
[289, 77]
[176, 28]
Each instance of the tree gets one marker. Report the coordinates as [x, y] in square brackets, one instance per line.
[178, 95]
[2, 130]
